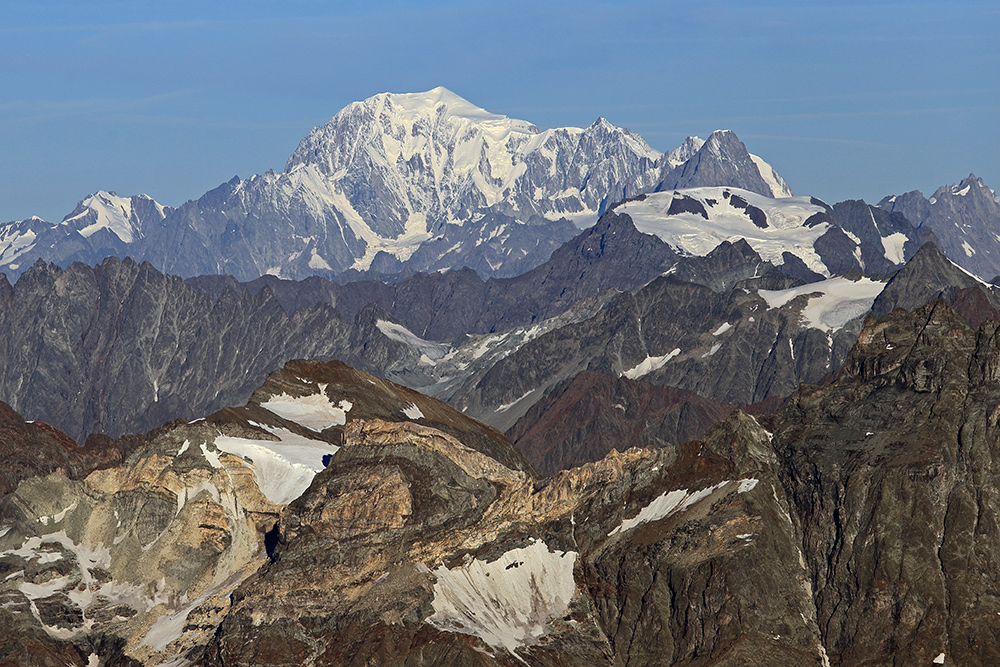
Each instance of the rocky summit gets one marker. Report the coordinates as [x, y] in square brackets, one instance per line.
[340, 519]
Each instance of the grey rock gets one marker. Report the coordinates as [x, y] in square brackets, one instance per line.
[875, 228]
[722, 160]
[966, 219]
[121, 348]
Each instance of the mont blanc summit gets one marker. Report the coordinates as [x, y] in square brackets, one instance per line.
[427, 181]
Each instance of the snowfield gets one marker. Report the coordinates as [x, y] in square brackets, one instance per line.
[729, 218]
[838, 301]
[284, 469]
[316, 412]
[673, 502]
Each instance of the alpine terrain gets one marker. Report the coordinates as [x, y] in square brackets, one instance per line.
[454, 390]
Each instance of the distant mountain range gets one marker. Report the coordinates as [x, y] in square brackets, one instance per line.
[422, 181]
[403, 183]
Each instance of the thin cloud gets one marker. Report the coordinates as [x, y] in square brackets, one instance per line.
[816, 140]
[826, 115]
[44, 109]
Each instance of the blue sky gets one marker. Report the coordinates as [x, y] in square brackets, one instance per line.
[845, 99]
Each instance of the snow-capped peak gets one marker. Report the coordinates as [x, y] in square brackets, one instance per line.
[441, 100]
[684, 152]
[407, 164]
[971, 183]
[394, 125]
[106, 210]
[695, 221]
[779, 188]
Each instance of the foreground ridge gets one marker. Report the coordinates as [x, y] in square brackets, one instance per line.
[773, 541]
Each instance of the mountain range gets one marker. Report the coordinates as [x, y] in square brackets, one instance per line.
[454, 390]
[424, 181]
[339, 519]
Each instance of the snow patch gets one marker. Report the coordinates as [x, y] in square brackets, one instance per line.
[939, 660]
[969, 250]
[723, 328]
[668, 503]
[81, 586]
[191, 492]
[779, 188]
[413, 412]
[507, 406]
[507, 602]
[650, 364]
[400, 334]
[715, 348]
[59, 516]
[212, 457]
[283, 469]
[317, 262]
[316, 412]
[893, 245]
[184, 447]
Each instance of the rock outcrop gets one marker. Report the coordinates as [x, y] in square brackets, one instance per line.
[582, 419]
[137, 561]
[966, 218]
[857, 529]
[892, 475]
[411, 549]
[30, 449]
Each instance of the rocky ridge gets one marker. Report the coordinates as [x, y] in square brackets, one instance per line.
[966, 218]
[848, 532]
[585, 417]
[850, 527]
[136, 561]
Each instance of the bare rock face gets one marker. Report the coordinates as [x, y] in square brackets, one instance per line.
[28, 449]
[142, 553]
[121, 348]
[965, 215]
[929, 275]
[370, 397]
[582, 419]
[892, 475]
[731, 346]
[337, 519]
[413, 549]
[136, 561]
[855, 530]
